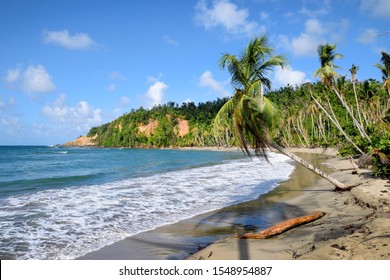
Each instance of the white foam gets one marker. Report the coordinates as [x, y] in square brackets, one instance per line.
[67, 223]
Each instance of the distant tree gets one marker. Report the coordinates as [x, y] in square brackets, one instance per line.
[384, 67]
[327, 71]
[328, 76]
[353, 70]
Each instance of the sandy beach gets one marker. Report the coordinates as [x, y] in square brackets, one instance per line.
[356, 224]
[180, 240]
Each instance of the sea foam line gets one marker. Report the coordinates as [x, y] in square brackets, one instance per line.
[67, 223]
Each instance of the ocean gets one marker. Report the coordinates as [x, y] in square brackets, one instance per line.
[65, 202]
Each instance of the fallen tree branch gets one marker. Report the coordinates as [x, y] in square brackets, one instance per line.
[282, 227]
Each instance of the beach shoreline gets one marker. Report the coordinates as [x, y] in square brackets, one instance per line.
[356, 224]
[181, 239]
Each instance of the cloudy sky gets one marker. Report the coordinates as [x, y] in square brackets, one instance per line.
[67, 65]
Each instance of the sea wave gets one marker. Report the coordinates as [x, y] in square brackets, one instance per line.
[70, 222]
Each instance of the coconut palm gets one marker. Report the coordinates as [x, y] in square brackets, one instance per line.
[328, 76]
[253, 114]
[385, 70]
[327, 56]
[353, 70]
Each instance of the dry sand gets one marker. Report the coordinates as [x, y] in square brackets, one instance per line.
[356, 224]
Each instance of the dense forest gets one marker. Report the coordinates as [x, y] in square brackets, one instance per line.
[352, 115]
[125, 131]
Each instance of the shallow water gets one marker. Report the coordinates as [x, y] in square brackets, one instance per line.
[61, 203]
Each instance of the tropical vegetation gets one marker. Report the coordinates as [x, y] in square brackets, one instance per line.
[351, 115]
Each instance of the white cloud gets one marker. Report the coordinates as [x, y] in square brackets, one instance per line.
[33, 80]
[12, 75]
[153, 79]
[207, 80]
[78, 41]
[376, 8]
[315, 33]
[307, 42]
[6, 104]
[36, 79]
[80, 117]
[368, 36]
[264, 15]
[11, 125]
[170, 41]
[323, 9]
[227, 15]
[111, 87]
[124, 103]
[288, 76]
[155, 94]
[10, 122]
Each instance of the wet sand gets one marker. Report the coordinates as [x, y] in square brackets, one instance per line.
[185, 238]
[356, 224]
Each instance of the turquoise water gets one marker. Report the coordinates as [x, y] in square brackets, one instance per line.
[61, 203]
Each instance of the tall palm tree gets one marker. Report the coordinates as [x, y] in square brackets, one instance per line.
[385, 70]
[249, 73]
[327, 56]
[328, 75]
[353, 70]
[254, 115]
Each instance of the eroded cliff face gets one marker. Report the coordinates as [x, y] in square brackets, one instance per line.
[149, 128]
[82, 141]
[182, 127]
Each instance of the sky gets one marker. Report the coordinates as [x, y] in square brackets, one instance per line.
[69, 65]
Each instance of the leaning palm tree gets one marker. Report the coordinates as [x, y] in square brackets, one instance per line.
[353, 70]
[328, 76]
[253, 114]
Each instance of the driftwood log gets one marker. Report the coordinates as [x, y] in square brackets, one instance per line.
[283, 226]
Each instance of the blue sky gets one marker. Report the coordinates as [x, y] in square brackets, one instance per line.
[67, 65]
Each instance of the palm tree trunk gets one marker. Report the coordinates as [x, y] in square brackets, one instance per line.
[355, 122]
[333, 181]
[357, 104]
[321, 129]
[337, 124]
[301, 129]
[298, 134]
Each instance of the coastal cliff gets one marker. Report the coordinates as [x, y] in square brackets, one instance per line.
[182, 128]
[82, 141]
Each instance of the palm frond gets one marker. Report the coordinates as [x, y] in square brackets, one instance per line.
[224, 113]
[252, 114]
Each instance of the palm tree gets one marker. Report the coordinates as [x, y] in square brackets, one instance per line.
[353, 70]
[385, 70]
[328, 76]
[253, 114]
[327, 56]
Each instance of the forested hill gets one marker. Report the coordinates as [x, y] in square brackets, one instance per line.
[354, 117]
[162, 126]
[302, 121]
